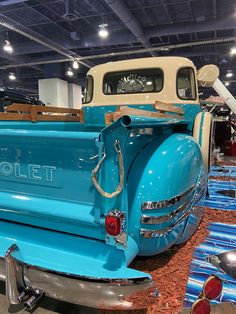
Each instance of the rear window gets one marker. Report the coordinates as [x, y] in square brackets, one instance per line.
[186, 87]
[133, 81]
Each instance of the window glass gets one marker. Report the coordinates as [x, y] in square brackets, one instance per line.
[133, 81]
[186, 88]
[88, 95]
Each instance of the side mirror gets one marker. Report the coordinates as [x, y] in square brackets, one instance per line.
[207, 75]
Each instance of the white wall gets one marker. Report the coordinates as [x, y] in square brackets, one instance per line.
[74, 96]
[53, 92]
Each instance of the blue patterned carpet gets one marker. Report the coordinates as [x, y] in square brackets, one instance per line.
[217, 200]
[221, 239]
[215, 171]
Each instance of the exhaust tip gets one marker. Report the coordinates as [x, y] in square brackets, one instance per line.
[126, 121]
[33, 301]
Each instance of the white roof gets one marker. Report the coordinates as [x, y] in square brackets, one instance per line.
[169, 65]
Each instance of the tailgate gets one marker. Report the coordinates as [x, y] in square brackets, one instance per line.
[45, 176]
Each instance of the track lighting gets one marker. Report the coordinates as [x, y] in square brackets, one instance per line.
[12, 76]
[229, 74]
[233, 51]
[75, 64]
[103, 31]
[69, 72]
[7, 46]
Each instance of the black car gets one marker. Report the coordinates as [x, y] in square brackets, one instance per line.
[8, 97]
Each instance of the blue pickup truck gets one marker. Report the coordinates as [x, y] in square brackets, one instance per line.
[83, 192]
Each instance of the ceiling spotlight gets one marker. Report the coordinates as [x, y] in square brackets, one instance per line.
[149, 83]
[233, 51]
[69, 72]
[12, 76]
[7, 46]
[103, 32]
[226, 83]
[75, 65]
[229, 74]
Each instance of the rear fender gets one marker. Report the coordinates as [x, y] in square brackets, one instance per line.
[166, 169]
[197, 208]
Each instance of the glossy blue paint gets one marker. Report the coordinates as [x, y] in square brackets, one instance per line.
[35, 180]
[156, 176]
[95, 115]
[68, 254]
[45, 182]
[196, 210]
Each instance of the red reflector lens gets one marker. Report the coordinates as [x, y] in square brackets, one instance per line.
[113, 225]
[201, 306]
[212, 288]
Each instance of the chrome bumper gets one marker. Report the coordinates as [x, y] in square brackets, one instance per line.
[27, 284]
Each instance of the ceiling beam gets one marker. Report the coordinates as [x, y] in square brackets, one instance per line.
[190, 49]
[169, 16]
[122, 12]
[38, 38]
[126, 37]
[19, 59]
[228, 22]
[5, 3]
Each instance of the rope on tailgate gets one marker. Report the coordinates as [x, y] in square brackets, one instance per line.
[121, 173]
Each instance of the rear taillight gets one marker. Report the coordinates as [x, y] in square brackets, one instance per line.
[201, 306]
[212, 287]
[113, 225]
[115, 222]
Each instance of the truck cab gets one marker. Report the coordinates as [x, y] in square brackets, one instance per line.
[86, 191]
[168, 79]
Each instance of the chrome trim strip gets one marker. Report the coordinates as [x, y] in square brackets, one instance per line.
[150, 234]
[152, 220]
[166, 203]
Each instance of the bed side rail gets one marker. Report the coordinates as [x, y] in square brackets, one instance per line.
[36, 113]
[162, 110]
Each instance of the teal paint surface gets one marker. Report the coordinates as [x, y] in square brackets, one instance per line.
[50, 208]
